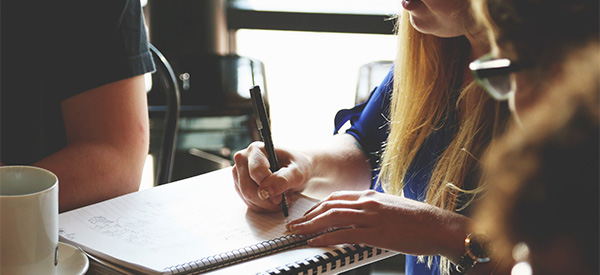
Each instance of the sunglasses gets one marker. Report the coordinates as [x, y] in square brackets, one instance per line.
[495, 75]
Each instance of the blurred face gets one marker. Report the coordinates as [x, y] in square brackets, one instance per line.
[505, 78]
[523, 92]
[442, 18]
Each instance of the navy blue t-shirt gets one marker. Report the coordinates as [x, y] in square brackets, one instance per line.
[369, 125]
[53, 50]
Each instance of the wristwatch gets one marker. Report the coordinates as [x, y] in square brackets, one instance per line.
[477, 249]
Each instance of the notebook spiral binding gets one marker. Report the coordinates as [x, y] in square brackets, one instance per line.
[318, 264]
[243, 254]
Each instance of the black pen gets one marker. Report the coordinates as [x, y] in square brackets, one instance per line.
[262, 123]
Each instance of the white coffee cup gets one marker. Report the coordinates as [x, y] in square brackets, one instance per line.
[28, 220]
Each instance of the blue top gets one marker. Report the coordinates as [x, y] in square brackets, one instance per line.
[370, 128]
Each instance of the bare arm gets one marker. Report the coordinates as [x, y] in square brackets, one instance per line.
[338, 165]
[391, 222]
[107, 142]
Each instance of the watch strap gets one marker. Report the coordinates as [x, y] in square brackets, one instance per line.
[465, 263]
[468, 260]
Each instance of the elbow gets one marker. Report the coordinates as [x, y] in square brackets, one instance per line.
[138, 157]
[133, 155]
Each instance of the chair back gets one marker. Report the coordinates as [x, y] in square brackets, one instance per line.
[369, 76]
[166, 78]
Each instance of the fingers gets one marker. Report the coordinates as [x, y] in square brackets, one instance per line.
[339, 196]
[350, 228]
[336, 218]
[339, 210]
[256, 207]
[287, 178]
[256, 161]
[243, 182]
[255, 183]
[271, 185]
[244, 174]
[336, 205]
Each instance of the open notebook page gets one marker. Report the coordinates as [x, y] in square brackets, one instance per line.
[173, 224]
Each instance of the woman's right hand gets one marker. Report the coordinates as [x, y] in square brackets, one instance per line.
[259, 188]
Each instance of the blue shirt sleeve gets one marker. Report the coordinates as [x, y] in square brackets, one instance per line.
[369, 121]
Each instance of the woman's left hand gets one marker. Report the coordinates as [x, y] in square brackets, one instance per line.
[385, 221]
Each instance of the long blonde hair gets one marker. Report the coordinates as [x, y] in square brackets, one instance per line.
[428, 85]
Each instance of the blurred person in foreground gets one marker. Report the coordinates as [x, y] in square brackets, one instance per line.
[542, 201]
[542, 205]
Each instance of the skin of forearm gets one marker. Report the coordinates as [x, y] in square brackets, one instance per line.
[455, 228]
[452, 246]
[107, 134]
[338, 165]
[341, 165]
[93, 172]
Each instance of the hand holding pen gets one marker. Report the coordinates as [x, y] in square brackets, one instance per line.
[265, 133]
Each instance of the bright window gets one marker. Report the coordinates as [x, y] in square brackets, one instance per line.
[310, 76]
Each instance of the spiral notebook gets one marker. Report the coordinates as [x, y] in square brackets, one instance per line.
[200, 225]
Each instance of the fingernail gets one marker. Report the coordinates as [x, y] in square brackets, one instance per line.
[291, 228]
[263, 193]
[290, 224]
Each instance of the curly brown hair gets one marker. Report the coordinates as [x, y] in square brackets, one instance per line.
[543, 178]
[539, 31]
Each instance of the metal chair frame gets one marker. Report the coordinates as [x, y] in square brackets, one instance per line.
[170, 85]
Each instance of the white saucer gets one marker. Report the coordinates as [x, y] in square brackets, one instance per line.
[71, 261]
